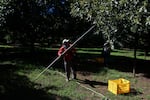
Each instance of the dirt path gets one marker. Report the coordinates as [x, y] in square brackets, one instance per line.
[141, 89]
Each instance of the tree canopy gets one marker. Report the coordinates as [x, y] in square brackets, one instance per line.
[30, 21]
[118, 20]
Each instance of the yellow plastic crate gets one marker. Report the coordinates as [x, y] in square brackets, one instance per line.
[119, 86]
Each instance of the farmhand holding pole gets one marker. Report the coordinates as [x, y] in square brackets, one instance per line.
[55, 60]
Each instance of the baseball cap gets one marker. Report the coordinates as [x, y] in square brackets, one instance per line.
[65, 41]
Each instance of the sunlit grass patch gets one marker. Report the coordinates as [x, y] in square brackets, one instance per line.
[106, 74]
[6, 46]
[54, 83]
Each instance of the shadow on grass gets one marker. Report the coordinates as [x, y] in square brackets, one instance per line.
[40, 56]
[133, 92]
[87, 62]
[19, 87]
[84, 62]
[126, 64]
[92, 83]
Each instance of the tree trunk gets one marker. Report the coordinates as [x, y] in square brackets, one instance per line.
[135, 58]
[145, 54]
[32, 47]
[134, 65]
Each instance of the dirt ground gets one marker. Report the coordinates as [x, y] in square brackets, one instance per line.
[143, 84]
[141, 89]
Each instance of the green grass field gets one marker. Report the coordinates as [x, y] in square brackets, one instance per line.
[18, 72]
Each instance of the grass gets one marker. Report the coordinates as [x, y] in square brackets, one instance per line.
[107, 74]
[6, 46]
[130, 54]
[49, 85]
[20, 72]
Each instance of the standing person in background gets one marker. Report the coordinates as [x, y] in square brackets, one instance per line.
[106, 52]
[68, 58]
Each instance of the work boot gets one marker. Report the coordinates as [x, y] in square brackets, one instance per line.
[74, 77]
[67, 80]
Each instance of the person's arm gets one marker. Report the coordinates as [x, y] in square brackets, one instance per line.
[60, 51]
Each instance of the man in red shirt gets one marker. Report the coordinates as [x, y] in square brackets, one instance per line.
[68, 59]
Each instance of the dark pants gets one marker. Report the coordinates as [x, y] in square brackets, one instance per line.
[69, 67]
[106, 56]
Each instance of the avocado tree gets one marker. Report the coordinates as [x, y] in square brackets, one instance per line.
[120, 21]
[5, 10]
[34, 21]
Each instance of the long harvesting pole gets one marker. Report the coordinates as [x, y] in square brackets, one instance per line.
[55, 60]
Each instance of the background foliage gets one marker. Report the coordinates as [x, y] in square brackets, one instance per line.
[121, 22]
[118, 20]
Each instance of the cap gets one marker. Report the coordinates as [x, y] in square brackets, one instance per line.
[65, 41]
